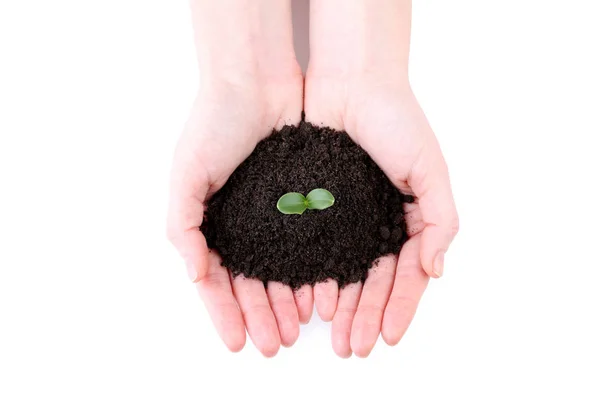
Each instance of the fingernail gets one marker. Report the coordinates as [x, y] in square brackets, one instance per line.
[438, 264]
[191, 272]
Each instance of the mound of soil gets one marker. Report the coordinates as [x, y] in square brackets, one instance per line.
[342, 242]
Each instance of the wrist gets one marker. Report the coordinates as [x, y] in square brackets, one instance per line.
[237, 39]
[368, 38]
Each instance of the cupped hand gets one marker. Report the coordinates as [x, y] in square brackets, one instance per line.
[229, 117]
[382, 115]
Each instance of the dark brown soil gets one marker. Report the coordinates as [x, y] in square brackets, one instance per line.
[342, 242]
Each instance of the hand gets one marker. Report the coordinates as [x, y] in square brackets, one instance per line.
[357, 81]
[226, 122]
[251, 83]
[384, 118]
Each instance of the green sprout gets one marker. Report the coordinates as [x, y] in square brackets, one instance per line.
[296, 203]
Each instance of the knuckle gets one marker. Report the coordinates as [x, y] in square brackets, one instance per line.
[454, 225]
[172, 234]
[216, 280]
[174, 230]
[257, 309]
[350, 311]
[408, 268]
[404, 305]
[281, 303]
[371, 310]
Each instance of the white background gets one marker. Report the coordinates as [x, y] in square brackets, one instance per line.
[95, 304]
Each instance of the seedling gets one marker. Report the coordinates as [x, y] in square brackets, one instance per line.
[296, 203]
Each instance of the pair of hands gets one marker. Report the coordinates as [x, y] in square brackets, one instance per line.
[229, 117]
[357, 81]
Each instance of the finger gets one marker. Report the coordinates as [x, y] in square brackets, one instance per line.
[215, 291]
[304, 303]
[410, 207]
[413, 219]
[186, 210]
[326, 298]
[284, 308]
[376, 291]
[409, 285]
[431, 184]
[257, 313]
[342, 320]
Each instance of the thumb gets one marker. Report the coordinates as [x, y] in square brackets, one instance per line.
[430, 182]
[186, 211]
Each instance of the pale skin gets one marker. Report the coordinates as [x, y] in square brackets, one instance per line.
[357, 81]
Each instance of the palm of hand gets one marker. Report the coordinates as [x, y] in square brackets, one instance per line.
[386, 120]
[226, 123]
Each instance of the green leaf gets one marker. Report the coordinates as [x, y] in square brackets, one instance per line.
[319, 199]
[292, 203]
